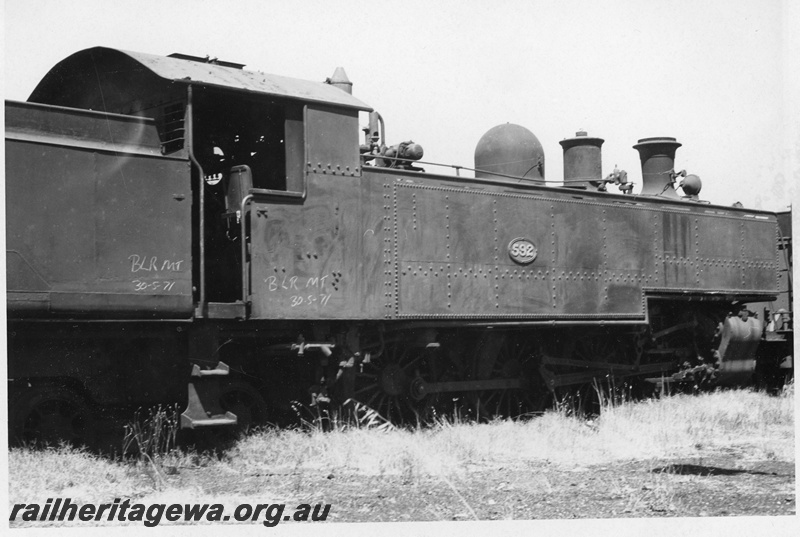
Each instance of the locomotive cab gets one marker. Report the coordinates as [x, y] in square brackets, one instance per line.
[258, 155]
[247, 136]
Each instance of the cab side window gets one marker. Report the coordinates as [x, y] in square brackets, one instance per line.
[236, 130]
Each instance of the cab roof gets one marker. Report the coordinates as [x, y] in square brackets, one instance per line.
[99, 69]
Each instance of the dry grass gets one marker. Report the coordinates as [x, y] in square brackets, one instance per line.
[740, 422]
[69, 472]
[749, 424]
[746, 424]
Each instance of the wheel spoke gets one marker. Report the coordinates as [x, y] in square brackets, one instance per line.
[412, 362]
[372, 399]
[366, 389]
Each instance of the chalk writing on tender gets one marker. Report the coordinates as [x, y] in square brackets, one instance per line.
[153, 264]
[298, 300]
[153, 286]
[294, 282]
[299, 284]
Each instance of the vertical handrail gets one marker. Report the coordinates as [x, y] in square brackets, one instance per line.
[201, 200]
[243, 234]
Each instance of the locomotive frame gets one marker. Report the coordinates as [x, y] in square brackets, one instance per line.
[182, 230]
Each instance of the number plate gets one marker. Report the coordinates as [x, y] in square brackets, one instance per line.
[522, 251]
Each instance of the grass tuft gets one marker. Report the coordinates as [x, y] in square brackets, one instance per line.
[153, 436]
[153, 439]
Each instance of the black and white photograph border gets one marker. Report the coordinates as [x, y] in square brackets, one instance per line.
[443, 267]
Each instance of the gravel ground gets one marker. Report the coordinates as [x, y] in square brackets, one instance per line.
[720, 486]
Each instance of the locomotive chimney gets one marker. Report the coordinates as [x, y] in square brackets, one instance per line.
[582, 161]
[658, 166]
[340, 80]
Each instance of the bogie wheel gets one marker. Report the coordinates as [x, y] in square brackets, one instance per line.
[244, 400]
[49, 414]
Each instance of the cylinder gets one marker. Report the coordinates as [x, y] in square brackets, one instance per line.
[582, 161]
[509, 151]
[658, 166]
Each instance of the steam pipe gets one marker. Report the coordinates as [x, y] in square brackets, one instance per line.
[383, 128]
[374, 120]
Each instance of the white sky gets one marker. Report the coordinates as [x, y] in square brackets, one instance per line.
[713, 74]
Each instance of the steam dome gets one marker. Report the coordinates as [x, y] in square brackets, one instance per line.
[509, 150]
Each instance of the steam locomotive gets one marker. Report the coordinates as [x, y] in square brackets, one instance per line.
[184, 231]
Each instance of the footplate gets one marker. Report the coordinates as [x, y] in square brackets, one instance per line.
[203, 408]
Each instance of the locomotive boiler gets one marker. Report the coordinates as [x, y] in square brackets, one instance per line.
[181, 230]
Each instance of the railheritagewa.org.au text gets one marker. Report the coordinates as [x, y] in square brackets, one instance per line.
[151, 515]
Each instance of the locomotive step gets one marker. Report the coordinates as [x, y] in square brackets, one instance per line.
[203, 406]
[221, 369]
[209, 422]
